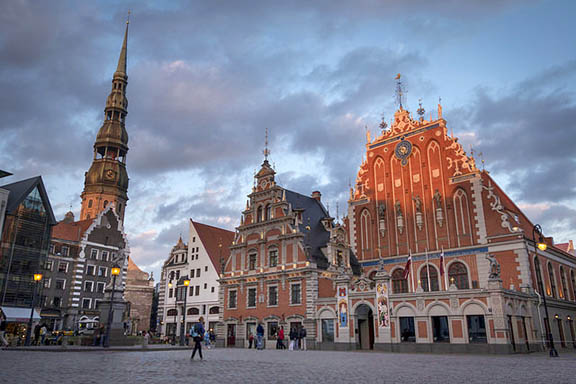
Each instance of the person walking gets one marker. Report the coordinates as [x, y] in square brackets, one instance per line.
[259, 336]
[197, 335]
[37, 334]
[250, 340]
[303, 338]
[292, 336]
[3, 325]
[43, 332]
[280, 339]
[212, 338]
[96, 341]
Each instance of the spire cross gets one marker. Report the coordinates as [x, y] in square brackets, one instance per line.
[266, 151]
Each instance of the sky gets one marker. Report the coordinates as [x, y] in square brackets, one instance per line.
[206, 78]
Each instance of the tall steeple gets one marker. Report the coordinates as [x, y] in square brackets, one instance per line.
[106, 181]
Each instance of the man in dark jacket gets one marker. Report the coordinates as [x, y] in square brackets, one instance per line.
[259, 336]
[302, 337]
[197, 334]
[3, 330]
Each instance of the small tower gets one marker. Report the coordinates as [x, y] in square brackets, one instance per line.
[106, 181]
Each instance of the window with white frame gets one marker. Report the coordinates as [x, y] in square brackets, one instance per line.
[65, 250]
[295, 293]
[232, 298]
[60, 284]
[96, 302]
[104, 255]
[47, 282]
[88, 286]
[94, 254]
[86, 303]
[102, 271]
[62, 267]
[100, 287]
[251, 298]
[48, 265]
[90, 270]
[198, 272]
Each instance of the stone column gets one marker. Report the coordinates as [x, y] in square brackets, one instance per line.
[382, 305]
[344, 318]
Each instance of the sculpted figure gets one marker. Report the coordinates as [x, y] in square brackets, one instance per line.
[494, 267]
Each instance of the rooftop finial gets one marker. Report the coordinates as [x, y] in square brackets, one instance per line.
[420, 110]
[266, 151]
[123, 53]
[439, 108]
[400, 93]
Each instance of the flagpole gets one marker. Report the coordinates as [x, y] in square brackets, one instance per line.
[411, 269]
[444, 269]
[428, 271]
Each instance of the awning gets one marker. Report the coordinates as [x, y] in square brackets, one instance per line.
[19, 315]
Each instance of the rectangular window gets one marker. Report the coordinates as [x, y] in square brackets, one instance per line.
[328, 330]
[273, 329]
[101, 287]
[102, 271]
[204, 309]
[273, 259]
[170, 292]
[51, 249]
[65, 250]
[476, 329]
[60, 284]
[251, 298]
[440, 329]
[57, 302]
[194, 239]
[205, 285]
[198, 272]
[96, 302]
[212, 290]
[407, 330]
[86, 303]
[88, 286]
[105, 255]
[252, 262]
[90, 270]
[232, 296]
[272, 296]
[197, 290]
[63, 267]
[206, 269]
[192, 273]
[295, 294]
[48, 265]
[94, 254]
[47, 282]
[177, 275]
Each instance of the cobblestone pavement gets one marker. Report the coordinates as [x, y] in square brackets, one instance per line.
[250, 366]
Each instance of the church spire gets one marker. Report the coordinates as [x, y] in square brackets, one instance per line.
[106, 182]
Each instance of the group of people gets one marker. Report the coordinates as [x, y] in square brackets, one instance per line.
[297, 337]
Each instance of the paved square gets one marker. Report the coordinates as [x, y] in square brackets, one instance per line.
[272, 366]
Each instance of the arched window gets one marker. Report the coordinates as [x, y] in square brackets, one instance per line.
[90, 203]
[459, 273]
[273, 257]
[433, 279]
[538, 275]
[259, 214]
[268, 212]
[366, 234]
[399, 283]
[193, 311]
[339, 258]
[214, 310]
[552, 280]
[573, 285]
[563, 281]
[172, 312]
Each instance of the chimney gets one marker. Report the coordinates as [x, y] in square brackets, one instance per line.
[316, 195]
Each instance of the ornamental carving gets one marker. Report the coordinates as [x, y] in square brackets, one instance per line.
[496, 205]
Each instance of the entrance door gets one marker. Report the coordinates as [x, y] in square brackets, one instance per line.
[525, 333]
[231, 338]
[365, 327]
[512, 339]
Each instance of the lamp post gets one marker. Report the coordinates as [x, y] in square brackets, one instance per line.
[541, 245]
[183, 325]
[37, 279]
[115, 272]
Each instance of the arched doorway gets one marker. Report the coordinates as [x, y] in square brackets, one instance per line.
[364, 327]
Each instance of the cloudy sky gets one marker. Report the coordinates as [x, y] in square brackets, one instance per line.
[207, 77]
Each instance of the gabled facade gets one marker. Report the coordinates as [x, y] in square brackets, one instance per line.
[200, 261]
[139, 293]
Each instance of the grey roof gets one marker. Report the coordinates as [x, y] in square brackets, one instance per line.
[21, 189]
[318, 236]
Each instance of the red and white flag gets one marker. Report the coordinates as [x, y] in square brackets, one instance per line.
[442, 263]
[407, 266]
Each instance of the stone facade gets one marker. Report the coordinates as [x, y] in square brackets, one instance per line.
[139, 293]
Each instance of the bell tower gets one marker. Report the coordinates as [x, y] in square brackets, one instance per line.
[106, 182]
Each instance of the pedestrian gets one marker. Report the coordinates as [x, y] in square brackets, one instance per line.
[250, 340]
[212, 338]
[207, 339]
[197, 335]
[43, 332]
[96, 341]
[259, 336]
[280, 339]
[146, 340]
[292, 336]
[303, 338]
[37, 334]
[3, 331]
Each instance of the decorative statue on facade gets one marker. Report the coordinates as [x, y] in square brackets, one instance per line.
[494, 268]
[439, 213]
[399, 217]
[382, 218]
[418, 206]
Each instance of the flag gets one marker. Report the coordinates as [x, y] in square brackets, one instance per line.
[407, 266]
[442, 263]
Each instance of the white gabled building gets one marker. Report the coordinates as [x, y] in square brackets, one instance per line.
[199, 261]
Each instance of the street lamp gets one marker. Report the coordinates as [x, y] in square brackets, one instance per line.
[183, 325]
[541, 245]
[37, 279]
[115, 272]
